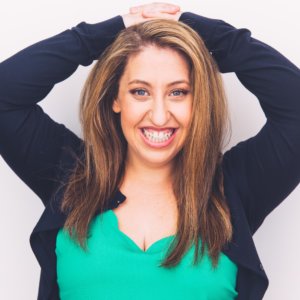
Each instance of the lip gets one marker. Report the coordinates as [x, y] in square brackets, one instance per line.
[158, 145]
[157, 129]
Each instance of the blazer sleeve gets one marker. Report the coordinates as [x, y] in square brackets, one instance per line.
[31, 143]
[265, 168]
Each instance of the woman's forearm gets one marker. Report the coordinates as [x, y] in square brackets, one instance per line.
[29, 75]
[261, 69]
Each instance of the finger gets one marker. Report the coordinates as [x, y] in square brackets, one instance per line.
[164, 7]
[159, 6]
[159, 15]
[152, 13]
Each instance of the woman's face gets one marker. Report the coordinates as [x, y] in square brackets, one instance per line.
[154, 99]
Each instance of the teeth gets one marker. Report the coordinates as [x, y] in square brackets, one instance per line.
[157, 136]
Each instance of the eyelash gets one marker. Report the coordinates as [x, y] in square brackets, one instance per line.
[184, 92]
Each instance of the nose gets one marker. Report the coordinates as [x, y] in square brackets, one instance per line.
[159, 112]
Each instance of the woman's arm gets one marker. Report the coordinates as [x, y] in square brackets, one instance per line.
[265, 167]
[31, 142]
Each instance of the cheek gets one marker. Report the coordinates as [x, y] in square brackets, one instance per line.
[130, 117]
[184, 114]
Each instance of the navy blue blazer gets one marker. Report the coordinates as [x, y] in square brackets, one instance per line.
[259, 173]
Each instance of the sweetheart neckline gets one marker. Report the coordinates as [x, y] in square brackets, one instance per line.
[150, 249]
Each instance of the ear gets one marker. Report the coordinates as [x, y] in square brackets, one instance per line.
[116, 106]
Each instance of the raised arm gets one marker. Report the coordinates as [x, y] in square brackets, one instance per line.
[31, 142]
[265, 167]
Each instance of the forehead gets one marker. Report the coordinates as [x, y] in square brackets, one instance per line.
[154, 63]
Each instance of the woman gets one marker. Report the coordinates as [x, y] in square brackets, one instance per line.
[257, 176]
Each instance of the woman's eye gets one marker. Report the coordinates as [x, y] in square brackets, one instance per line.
[177, 93]
[138, 92]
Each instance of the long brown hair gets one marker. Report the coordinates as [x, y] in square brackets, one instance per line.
[203, 214]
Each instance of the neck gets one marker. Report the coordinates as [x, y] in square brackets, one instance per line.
[148, 180]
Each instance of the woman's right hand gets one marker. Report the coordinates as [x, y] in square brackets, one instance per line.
[150, 11]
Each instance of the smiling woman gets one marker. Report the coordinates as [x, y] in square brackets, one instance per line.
[155, 105]
[158, 59]
[146, 201]
[153, 114]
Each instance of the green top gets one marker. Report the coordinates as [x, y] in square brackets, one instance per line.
[116, 268]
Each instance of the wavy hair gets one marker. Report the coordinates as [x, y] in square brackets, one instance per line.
[203, 214]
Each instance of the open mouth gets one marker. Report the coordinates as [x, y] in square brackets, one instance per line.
[155, 136]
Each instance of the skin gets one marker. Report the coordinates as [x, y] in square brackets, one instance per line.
[156, 104]
[148, 171]
[154, 185]
[142, 13]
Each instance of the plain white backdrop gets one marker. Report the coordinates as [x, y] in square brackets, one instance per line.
[25, 22]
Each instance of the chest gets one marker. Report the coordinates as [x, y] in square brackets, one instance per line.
[252, 280]
[146, 222]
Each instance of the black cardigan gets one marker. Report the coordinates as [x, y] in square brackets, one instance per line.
[259, 173]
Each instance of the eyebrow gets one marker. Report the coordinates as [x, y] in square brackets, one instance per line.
[148, 84]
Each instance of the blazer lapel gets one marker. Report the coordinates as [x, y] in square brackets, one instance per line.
[242, 249]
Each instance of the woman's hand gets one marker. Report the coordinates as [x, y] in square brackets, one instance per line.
[156, 10]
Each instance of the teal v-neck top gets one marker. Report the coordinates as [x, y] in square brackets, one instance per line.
[115, 267]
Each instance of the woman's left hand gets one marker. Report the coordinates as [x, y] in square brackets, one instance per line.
[155, 10]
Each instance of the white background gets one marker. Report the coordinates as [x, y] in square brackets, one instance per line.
[25, 22]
